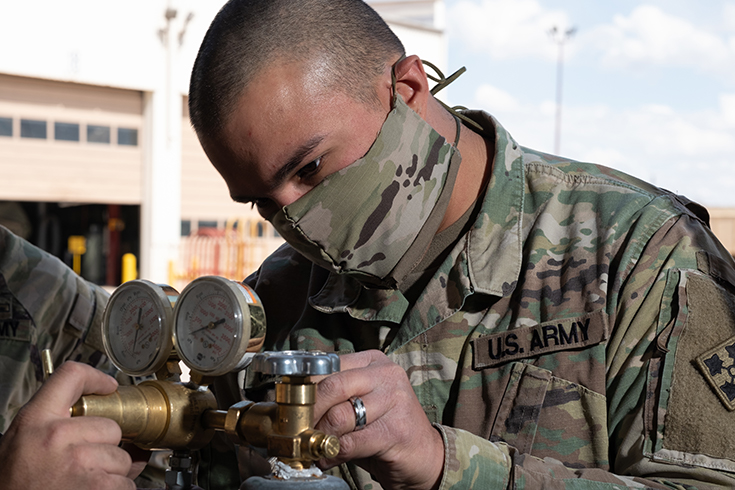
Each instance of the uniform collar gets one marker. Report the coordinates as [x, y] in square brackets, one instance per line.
[495, 243]
[487, 260]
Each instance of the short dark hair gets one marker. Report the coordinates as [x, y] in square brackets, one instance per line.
[247, 35]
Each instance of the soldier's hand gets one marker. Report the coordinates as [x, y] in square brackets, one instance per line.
[398, 446]
[45, 447]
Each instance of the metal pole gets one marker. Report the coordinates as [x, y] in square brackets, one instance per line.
[560, 38]
[559, 92]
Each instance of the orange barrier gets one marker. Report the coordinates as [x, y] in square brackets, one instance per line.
[234, 252]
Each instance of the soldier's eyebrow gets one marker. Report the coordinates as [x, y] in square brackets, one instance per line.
[296, 158]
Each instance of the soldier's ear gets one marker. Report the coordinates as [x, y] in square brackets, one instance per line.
[412, 84]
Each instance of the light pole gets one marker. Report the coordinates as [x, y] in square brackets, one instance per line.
[161, 207]
[560, 38]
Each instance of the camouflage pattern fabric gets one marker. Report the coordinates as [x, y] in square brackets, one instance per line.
[543, 347]
[43, 305]
[398, 182]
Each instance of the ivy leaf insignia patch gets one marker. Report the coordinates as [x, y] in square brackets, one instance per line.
[718, 367]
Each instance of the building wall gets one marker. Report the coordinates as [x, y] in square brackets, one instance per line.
[420, 25]
[204, 194]
[722, 222]
[69, 171]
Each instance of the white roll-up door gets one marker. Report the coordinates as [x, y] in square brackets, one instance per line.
[67, 142]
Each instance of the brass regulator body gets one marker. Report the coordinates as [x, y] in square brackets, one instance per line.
[163, 414]
[155, 414]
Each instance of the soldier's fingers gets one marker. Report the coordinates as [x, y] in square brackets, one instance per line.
[340, 387]
[108, 482]
[136, 469]
[94, 430]
[341, 418]
[355, 361]
[118, 482]
[98, 479]
[108, 459]
[67, 384]
[61, 433]
[361, 359]
[375, 440]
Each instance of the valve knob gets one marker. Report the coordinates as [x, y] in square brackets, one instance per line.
[296, 363]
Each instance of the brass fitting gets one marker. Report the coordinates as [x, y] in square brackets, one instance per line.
[154, 414]
[295, 398]
[284, 427]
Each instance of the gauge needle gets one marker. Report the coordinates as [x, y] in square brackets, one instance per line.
[137, 329]
[209, 326]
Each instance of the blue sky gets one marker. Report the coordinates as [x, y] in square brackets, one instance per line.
[649, 87]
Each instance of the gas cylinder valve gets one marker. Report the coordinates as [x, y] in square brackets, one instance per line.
[283, 427]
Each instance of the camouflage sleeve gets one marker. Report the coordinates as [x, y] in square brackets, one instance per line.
[665, 411]
[473, 462]
[670, 379]
[43, 305]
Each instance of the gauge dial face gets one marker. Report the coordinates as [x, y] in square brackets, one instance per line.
[210, 330]
[137, 327]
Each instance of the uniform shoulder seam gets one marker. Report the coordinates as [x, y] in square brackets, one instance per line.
[574, 178]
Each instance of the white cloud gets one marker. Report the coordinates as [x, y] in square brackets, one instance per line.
[512, 29]
[650, 36]
[506, 29]
[728, 16]
[499, 100]
[727, 107]
[690, 153]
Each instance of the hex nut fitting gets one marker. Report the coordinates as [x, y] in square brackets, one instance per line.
[233, 417]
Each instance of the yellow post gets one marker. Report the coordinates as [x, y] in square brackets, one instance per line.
[77, 247]
[129, 267]
[171, 272]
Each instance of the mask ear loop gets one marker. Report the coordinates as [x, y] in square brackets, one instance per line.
[459, 128]
[393, 80]
[441, 82]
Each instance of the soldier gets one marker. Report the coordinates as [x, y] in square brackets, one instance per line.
[44, 305]
[508, 319]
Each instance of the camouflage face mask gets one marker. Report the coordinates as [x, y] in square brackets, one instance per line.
[375, 218]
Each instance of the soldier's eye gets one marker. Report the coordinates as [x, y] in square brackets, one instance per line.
[260, 203]
[309, 169]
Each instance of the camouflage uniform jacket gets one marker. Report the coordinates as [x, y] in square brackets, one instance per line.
[43, 305]
[557, 344]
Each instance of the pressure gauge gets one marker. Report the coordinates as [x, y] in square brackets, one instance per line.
[137, 326]
[213, 322]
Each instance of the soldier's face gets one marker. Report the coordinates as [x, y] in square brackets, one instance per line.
[288, 132]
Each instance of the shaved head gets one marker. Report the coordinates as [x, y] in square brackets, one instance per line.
[345, 42]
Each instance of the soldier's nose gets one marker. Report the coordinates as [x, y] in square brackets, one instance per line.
[288, 194]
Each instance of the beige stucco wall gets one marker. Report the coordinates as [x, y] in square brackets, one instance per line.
[722, 221]
[69, 171]
[204, 195]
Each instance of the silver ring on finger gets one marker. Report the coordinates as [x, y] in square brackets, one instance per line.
[360, 413]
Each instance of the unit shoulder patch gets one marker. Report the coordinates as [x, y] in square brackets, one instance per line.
[15, 322]
[718, 367]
